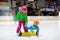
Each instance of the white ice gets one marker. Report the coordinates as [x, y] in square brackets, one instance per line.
[49, 30]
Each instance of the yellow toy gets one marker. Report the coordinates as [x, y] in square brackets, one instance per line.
[28, 34]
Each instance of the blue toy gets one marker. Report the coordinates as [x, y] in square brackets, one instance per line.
[34, 27]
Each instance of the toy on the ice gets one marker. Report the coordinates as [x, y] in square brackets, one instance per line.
[27, 34]
[34, 30]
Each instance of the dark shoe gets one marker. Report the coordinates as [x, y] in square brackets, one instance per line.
[20, 33]
[37, 33]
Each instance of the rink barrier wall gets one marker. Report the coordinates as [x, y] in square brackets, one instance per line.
[31, 18]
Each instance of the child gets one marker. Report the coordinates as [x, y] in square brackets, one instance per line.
[34, 27]
[21, 17]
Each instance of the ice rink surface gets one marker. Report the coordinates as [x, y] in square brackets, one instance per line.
[49, 30]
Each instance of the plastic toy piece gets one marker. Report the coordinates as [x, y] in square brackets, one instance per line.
[34, 33]
[28, 34]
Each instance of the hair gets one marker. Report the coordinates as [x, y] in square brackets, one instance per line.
[36, 21]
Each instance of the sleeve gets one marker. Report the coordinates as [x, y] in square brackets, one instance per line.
[28, 27]
[17, 16]
[26, 19]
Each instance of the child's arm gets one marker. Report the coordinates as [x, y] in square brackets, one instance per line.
[26, 19]
[28, 27]
[17, 16]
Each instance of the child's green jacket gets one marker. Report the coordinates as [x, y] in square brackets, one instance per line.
[22, 17]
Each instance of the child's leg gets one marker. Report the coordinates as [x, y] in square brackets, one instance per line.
[19, 26]
[37, 33]
[25, 29]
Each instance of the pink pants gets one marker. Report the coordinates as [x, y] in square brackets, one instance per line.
[19, 26]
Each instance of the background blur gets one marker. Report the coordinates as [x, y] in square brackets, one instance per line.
[35, 7]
